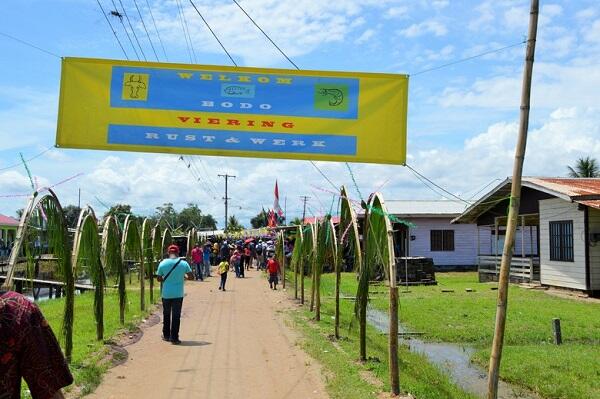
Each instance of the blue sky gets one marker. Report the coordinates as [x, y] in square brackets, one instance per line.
[462, 119]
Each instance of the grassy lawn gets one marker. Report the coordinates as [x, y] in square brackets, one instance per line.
[86, 365]
[529, 358]
[344, 374]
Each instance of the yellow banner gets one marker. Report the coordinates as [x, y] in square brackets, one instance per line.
[232, 111]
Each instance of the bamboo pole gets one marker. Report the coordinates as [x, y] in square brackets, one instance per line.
[283, 259]
[496, 353]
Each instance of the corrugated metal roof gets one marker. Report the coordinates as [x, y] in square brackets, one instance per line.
[431, 208]
[585, 191]
[8, 221]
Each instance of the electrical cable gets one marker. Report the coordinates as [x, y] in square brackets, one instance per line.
[132, 30]
[30, 45]
[436, 185]
[157, 32]
[213, 33]
[27, 160]
[145, 29]
[120, 16]
[187, 44]
[266, 35]
[467, 58]
[187, 30]
[323, 174]
[112, 29]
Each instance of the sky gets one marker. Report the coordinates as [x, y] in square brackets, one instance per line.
[462, 122]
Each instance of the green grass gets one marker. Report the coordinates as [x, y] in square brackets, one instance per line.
[529, 359]
[87, 366]
[340, 358]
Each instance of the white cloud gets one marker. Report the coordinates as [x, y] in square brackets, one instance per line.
[365, 36]
[396, 12]
[420, 29]
[592, 33]
[586, 13]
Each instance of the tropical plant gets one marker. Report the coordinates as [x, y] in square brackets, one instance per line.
[131, 251]
[71, 215]
[87, 258]
[233, 225]
[585, 167]
[191, 217]
[260, 220]
[113, 261]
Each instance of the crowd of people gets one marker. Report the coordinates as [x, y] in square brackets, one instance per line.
[29, 349]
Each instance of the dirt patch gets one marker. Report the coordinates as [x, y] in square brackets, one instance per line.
[370, 378]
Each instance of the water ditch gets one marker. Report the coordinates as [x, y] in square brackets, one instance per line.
[453, 359]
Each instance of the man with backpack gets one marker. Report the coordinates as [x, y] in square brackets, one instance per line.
[172, 273]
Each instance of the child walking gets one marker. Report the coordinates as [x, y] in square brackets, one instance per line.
[222, 270]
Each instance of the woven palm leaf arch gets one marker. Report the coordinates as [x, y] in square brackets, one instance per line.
[157, 251]
[147, 254]
[113, 261]
[167, 239]
[191, 243]
[86, 261]
[131, 252]
[325, 254]
[297, 258]
[379, 255]
[348, 244]
[58, 243]
[310, 256]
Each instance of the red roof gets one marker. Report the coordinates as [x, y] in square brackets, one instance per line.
[585, 191]
[8, 221]
[310, 219]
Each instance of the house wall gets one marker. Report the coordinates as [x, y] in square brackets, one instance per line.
[487, 244]
[562, 274]
[594, 227]
[465, 242]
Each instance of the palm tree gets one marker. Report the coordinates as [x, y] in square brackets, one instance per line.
[233, 224]
[585, 167]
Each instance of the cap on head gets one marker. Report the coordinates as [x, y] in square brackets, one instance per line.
[173, 249]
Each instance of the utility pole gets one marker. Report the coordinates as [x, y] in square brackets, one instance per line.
[226, 198]
[304, 199]
[513, 212]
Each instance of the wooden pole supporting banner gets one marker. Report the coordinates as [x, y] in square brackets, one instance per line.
[515, 200]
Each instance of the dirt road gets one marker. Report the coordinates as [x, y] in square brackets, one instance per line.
[234, 345]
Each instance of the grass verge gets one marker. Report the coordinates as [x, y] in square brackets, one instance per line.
[347, 378]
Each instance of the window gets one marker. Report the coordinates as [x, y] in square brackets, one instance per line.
[561, 241]
[442, 240]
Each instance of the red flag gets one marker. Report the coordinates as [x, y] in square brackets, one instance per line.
[276, 206]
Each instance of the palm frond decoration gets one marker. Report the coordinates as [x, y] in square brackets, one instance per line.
[191, 242]
[379, 254]
[148, 254]
[297, 258]
[157, 251]
[325, 253]
[167, 239]
[348, 250]
[131, 251]
[309, 247]
[86, 260]
[113, 261]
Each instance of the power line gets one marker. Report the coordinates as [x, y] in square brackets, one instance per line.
[120, 16]
[16, 39]
[27, 160]
[323, 174]
[468, 58]
[187, 30]
[145, 29]
[157, 32]
[434, 184]
[265, 33]
[213, 33]
[132, 30]
[187, 44]
[112, 29]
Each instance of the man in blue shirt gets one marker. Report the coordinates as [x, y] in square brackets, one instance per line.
[171, 273]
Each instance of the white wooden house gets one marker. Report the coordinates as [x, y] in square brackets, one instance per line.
[430, 233]
[558, 238]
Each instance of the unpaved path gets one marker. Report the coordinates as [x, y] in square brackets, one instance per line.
[234, 345]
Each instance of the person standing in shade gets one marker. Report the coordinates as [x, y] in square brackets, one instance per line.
[197, 260]
[206, 260]
[273, 269]
[29, 350]
[222, 270]
[172, 273]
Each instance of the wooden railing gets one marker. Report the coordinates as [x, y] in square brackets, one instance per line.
[521, 268]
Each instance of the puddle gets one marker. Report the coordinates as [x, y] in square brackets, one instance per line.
[453, 359]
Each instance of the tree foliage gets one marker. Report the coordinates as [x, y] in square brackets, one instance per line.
[71, 213]
[192, 217]
[233, 225]
[260, 220]
[585, 167]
